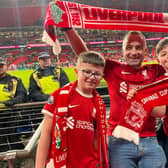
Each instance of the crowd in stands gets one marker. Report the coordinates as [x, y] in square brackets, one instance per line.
[26, 57]
[19, 37]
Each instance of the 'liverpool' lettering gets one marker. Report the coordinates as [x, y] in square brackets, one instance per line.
[61, 157]
[110, 14]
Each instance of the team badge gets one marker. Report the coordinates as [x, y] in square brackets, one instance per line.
[135, 115]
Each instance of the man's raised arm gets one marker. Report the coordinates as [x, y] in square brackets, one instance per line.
[76, 41]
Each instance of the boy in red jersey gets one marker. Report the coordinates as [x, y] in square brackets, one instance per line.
[74, 128]
[162, 54]
[120, 78]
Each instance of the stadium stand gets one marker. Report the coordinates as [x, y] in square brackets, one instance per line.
[110, 49]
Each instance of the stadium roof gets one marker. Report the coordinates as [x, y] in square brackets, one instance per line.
[143, 5]
[14, 13]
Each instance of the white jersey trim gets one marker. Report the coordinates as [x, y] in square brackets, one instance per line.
[46, 112]
[83, 94]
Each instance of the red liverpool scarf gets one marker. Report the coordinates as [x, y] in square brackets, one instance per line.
[59, 148]
[139, 108]
[69, 14]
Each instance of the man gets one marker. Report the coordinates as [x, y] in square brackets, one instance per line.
[11, 88]
[12, 91]
[162, 132]
[120, 78]
[46, 79]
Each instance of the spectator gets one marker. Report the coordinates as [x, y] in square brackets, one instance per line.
[12, 91]
[162, 133]
[46, 79]
[83, 124]
[120, 77]
[12, 88]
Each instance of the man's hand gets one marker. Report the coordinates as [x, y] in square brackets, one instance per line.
[158, 111]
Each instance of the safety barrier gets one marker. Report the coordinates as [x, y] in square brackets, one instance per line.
[17, 127]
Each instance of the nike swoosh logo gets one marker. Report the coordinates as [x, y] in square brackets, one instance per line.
[71, 106]
[123, 72]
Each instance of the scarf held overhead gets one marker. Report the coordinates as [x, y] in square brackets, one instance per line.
[58, 155]
[69, 14]
[138, 110]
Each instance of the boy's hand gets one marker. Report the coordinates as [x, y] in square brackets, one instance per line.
[132, 92]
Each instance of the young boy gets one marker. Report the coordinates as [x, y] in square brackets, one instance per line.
[162, 53]
[74, 128]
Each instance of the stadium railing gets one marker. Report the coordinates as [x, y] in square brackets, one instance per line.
[20, 128]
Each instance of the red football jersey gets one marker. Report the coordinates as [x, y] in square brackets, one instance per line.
[165, 118]
[81, 151]
[120, 78]
[80, 140]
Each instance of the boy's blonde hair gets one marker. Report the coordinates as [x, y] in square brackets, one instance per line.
[161, 44]
[91, 57]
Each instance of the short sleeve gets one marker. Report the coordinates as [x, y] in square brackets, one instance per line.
[50, 106]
